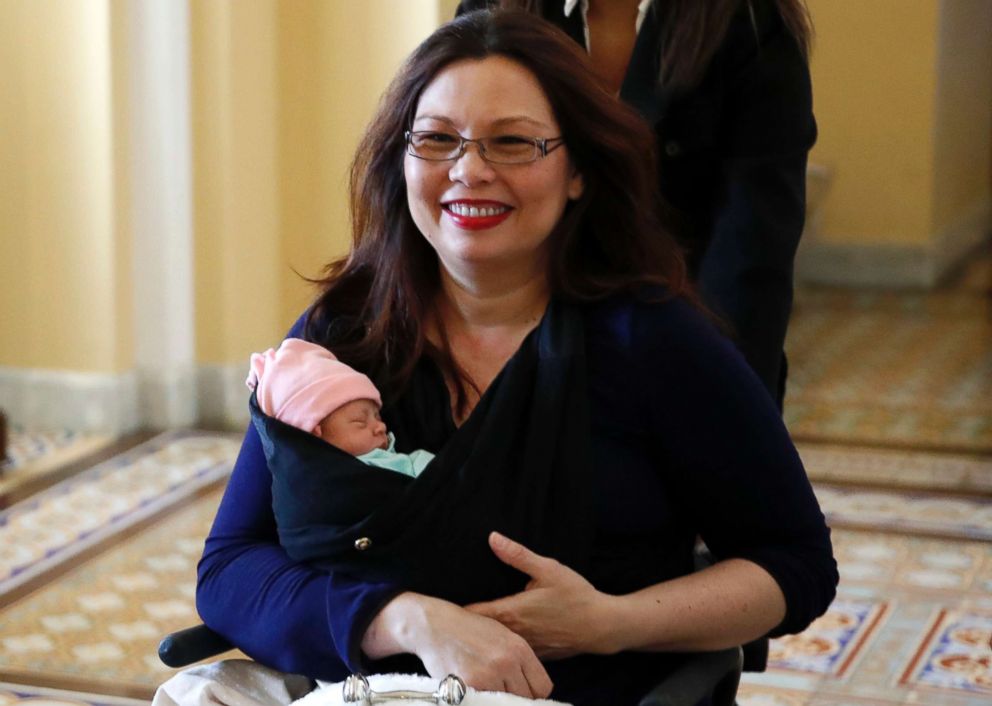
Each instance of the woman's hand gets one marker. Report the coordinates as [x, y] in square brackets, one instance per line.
[451, 640]
[559, 613]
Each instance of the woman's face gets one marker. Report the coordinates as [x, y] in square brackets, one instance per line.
[517, 205]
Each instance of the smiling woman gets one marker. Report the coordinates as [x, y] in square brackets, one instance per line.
[528, 321]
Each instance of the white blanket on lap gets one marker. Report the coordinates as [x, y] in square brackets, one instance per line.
[330, 694]
[241, 682]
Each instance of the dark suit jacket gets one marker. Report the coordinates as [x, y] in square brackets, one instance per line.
[732, 163]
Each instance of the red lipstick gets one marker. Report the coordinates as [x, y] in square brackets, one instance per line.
[475, 214]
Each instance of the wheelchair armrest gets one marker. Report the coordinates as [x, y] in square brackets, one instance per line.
[713, 674]
[182, 648]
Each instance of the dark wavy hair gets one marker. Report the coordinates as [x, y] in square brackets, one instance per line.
[375, 301]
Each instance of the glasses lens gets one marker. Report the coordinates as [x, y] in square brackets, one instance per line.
[434, 145]
[510, 149]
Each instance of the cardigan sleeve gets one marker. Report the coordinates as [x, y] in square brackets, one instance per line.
[280, 612]
[729, 461]
[767, 129]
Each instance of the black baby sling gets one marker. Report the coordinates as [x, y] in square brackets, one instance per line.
[520, 464]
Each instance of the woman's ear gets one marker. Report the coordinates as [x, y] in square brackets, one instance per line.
[576, 185]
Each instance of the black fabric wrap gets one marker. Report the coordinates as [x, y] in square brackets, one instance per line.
[520, 464]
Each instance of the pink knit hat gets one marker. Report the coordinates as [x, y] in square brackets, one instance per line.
[300, 383]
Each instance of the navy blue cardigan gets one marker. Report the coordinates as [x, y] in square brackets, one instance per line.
[686, 441]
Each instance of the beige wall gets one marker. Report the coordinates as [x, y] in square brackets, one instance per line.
[447, 9]
[874, 78]
[282, 92]
[335, 61]
[235, 177]
[963, 112]
[902, 98]
[64, 252]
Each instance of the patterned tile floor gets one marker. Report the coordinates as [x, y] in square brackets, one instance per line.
[24, 446]
[74, 515]
[25, 695]
[969, 474]
[899, 369]
[929, 385]
[32, 455]
[897, 438]
[98, 627]
[924, 513]
[910, 625]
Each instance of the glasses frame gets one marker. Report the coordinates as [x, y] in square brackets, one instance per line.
[541, 145]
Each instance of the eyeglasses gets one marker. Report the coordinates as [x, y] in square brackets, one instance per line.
[498, 149]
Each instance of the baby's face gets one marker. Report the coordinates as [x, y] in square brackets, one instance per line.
[355, 428]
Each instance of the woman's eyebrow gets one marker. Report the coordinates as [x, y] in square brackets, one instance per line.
[499, 122]
[518, 119]
[438, 118]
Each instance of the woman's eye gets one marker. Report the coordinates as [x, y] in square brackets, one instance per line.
[438, 138]
[511, 140]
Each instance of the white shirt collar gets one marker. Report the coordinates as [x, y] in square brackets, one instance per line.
[642, 11]
[570, 5]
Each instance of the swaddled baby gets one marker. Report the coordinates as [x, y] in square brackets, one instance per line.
[304, 385]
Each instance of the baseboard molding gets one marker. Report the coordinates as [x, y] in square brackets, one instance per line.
[961, 239]
[168, 398]
[222, 396]
[883, 266]
[117, 404]
[82, 402]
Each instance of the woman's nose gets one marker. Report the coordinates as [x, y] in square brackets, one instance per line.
[471, 168]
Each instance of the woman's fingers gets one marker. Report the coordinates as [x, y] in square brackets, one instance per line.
[559, 613]
[528, 682]
[520, 557]
[513, 668]
[449, 639]
[486, 654]
[538, 680]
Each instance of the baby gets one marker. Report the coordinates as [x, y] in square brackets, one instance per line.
[304, 385]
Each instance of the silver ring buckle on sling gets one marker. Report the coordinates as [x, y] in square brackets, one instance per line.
[356, 690]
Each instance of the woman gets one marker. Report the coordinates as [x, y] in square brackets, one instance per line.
[726, 86]
[506, 277]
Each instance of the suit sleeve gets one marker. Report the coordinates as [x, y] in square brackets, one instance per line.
[280, 612]
[746, 273]
[470, 5]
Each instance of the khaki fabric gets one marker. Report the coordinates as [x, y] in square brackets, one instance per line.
[232, 682]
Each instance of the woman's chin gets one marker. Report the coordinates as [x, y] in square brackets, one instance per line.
[480, 251]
